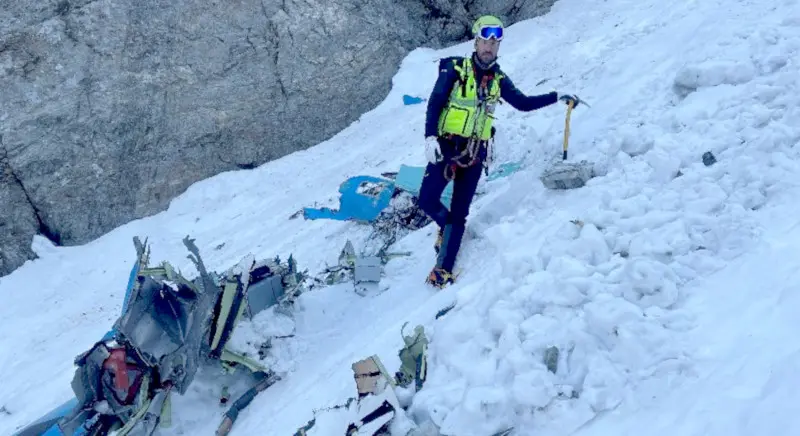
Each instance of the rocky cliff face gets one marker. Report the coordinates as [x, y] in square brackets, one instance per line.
[110, 108]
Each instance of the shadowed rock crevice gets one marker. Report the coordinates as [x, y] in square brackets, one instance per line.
[19, 221]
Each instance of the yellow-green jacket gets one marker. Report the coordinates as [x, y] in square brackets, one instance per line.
[465, 96]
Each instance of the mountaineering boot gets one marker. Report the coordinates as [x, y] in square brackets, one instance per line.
[440, 277]
[439, 238]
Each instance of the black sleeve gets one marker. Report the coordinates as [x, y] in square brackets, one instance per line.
[439, 95]
[522, 102]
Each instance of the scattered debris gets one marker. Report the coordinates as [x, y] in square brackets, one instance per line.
[372, 188]
[362, 199]
[169, 327]
[225, 396]
[303, 431]
[709, 159]
[297, 214]
[551, 359]
[266, 379]
[402, 216]
[545, 80]
[377, 403]
[504, 170]
[413, 358]
[365, 271]
[443, 312]
[409, 100]
[264, 348]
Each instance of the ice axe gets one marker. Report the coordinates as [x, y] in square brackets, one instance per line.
[563, 174]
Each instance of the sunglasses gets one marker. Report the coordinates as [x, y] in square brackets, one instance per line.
[490, 32]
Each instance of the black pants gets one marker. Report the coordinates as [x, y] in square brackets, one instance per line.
[465, 183]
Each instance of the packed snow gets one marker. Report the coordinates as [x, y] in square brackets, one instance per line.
[666, 285]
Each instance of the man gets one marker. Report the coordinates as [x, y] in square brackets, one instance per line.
[458, 129]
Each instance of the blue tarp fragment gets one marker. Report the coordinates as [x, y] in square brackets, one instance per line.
[505, 170]
[409, 179]
[363, 206]
[355, 205]
[409, 100]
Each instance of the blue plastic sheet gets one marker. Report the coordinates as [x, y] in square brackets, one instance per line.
[505, 170]
[409, 179]
[409, 100]
[357, 206]
[354, 205]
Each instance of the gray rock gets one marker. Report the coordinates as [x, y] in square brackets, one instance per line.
[551, 359]
[111, 108]
[17, 222]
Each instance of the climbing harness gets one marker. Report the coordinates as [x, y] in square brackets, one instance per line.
[467, 158]
[470, 154]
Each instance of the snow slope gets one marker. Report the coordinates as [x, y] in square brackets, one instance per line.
[748, 363]
[663, 283]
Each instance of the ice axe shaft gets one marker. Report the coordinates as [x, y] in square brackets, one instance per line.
[566, 128]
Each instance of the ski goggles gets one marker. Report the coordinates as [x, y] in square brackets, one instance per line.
[489, 32]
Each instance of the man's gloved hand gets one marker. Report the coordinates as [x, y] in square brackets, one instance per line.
[566, 98]
[433, 151]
